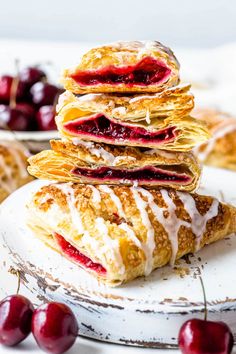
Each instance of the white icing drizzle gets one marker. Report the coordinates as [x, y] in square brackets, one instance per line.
[148, 120]
[120, 110]
[131, 234]
[112, 244]
[163, 153]
[99, 152]
[199, 221]
[68, 191]
[119, 159]
[171, 223]
[220, 133]
[96, 196]
[109, 244]
[115, 199]
[149, 246]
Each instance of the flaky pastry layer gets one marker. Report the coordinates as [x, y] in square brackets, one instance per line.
[87, 162]
[120, 62]
[155, 121]
[120, 233]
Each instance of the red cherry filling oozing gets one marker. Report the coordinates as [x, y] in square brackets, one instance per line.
[109, 131]
[147, 71]
[149, 174]
[72, 253]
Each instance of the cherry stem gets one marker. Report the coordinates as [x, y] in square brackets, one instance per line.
[204, 297]
[14, 86]
[17, 273]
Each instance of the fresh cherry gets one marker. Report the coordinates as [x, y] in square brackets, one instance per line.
[43, 93]
[15, 319]
[5, 89]
[205, 337]
[14, 119]
[54, 327]
[31, 75]
[46, 118]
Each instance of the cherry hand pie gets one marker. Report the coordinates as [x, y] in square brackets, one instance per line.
[220, 150]
[154, 121]
[124, 67]
[13, 167]
[87, 162]
[120, 233]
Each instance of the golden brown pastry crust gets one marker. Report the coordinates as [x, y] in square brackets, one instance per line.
[128, 230]
[151, 112]
[13, 167]
[176, 101]
[121, 54]
[66, 157]
[220, 150]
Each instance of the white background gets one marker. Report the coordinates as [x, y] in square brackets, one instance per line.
[200, 23]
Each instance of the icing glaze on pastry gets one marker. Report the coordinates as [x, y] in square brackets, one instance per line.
[92, 163]
[124, 66]
[133, 231]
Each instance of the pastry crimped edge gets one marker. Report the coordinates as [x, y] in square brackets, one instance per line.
[57, 164]
[220, 150]
[122, 54]
[148, 245]
[13, 167]
[176, 101]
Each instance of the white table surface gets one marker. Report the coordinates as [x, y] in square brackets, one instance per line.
[207, 68]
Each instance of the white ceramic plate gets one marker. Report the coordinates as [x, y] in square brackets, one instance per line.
[145, 312]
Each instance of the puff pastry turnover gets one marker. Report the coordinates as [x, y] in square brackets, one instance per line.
[124, 67]
[87, 162]
[120, 233]
[13, 167]
[155, 121]
[220, 150]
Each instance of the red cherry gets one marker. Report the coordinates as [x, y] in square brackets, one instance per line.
[54, 327]
[14, 119]
[5, 89]
[26, 108]
[46, 118]
[43, 93]
[31, 75]
[205, 337]
[15, 319]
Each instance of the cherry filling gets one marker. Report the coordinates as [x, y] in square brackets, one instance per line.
[146, 72]
[102, 127]
[148, 173]
[75, 255]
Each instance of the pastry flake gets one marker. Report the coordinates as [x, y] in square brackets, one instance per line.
[155, 121]
[220, 150]
[124, 67]
[87, 162]
[120, 233]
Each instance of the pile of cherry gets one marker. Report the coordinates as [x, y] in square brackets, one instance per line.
[27, 101]
[55, 328]
[53, 325]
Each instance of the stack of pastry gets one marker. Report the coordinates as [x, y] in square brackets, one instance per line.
[120, 206]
